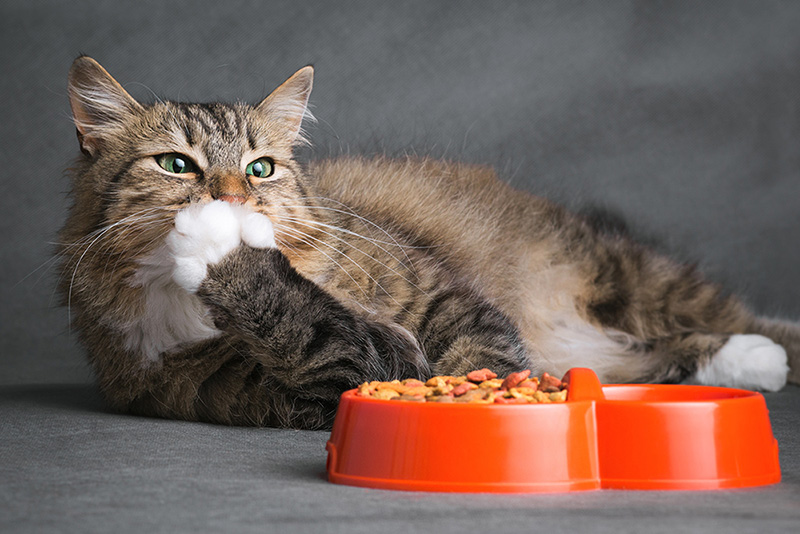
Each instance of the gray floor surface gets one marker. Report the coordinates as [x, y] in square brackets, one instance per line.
[67, 465]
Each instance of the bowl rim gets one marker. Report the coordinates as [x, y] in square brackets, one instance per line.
[722, 395]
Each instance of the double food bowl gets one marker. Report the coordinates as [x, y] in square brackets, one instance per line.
[656, 437]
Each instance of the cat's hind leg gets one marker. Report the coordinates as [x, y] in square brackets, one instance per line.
[748, 361]
[740, 360]
[693, 330]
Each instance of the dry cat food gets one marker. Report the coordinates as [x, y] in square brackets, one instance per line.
[479, 387]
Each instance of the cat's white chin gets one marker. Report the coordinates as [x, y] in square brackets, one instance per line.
[204, 234]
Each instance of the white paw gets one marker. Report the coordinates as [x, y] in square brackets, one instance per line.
[204, 234]
[746, 361]
[257, 230]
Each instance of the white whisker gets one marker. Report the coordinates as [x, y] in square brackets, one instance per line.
[351, 212]
[160, 236]
[299, 235]
[130, 220]
[370, 256]
[355, 263]
[375, 242]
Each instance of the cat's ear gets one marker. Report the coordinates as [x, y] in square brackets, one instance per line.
[288, 103]
[99, 104]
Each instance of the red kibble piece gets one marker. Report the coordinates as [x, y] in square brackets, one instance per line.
[480, 375]
[463, 388]
[528, 383]
[549, 384]
[514, 379]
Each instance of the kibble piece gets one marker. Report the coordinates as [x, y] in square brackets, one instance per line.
[394, 385]
[463, 388]
[549, 384]
[525, 391]
[481, 375]
[473, 395]
[455, 380]
[440, 398]
[493, 383]
[385, 394]
[540, 396]
[530, 383]
[410, 398]
[413, 383]
[514, 379]
[436, 382]
[420, 391]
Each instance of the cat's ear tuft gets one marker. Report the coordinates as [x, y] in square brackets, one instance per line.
[99, 104]
[288, 103]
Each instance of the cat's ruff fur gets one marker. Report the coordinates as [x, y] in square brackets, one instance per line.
[261, 311]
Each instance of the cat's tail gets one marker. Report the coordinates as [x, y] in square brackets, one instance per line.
[786, 334]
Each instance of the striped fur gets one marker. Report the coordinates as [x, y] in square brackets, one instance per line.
[383, 269]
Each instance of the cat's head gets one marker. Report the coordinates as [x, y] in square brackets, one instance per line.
[155, 159]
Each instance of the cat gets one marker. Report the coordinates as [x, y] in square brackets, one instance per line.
[212, 277]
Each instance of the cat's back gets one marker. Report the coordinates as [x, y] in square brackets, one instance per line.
[437, 203]
[481, 228]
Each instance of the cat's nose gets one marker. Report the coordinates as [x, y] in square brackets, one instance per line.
[228, 188]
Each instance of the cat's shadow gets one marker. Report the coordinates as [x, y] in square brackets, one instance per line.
[312, 470]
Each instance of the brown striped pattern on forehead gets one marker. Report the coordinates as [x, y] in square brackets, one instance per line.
[215, 121]
[226, 130]
[219, 130]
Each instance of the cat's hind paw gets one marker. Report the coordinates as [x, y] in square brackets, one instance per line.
[746, 361]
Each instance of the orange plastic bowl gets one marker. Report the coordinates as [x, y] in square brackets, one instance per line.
[642, 437]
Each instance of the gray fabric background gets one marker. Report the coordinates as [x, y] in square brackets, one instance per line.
[682, 117]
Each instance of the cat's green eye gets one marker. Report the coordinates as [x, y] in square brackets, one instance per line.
[261, 168]
[176, 163]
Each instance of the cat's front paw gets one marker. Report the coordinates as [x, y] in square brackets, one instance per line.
[204, 234]
[245, 288]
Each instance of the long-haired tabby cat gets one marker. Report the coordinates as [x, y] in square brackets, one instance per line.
[214, 278]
